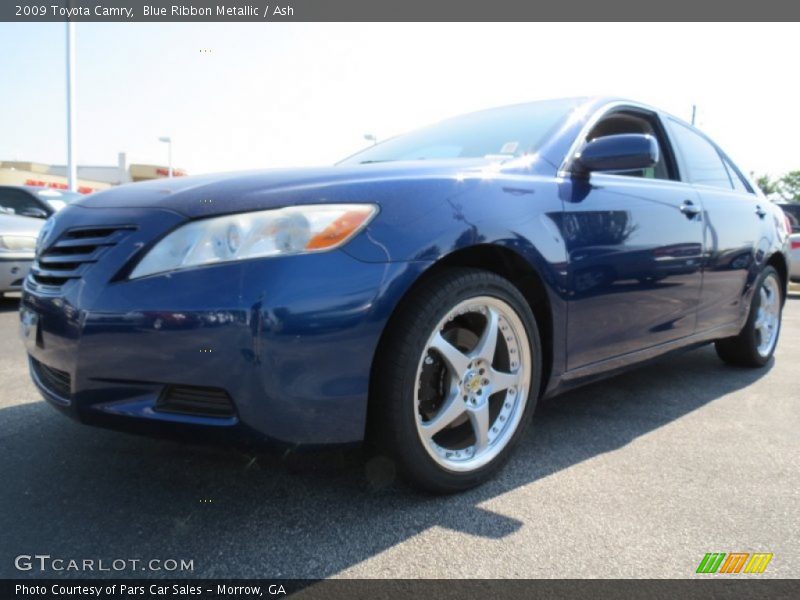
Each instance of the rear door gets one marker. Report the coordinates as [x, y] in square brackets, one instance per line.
[634, 243]
[732, 220]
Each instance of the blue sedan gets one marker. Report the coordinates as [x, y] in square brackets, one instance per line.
[421, 295]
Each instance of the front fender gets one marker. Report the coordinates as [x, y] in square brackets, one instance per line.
[515, 213]
[428, 221]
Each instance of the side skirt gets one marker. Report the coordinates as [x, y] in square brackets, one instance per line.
[618, 364]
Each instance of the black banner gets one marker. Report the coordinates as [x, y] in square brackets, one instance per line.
[394, 10]
[349, 589]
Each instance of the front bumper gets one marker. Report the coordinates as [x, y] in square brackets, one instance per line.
[291, 340]
[13, 272]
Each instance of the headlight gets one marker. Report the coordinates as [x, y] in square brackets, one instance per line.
[17, 243]
[278, 232]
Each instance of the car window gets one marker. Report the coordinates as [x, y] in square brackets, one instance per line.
[704, 165]
[739, 184]
[57, 199]
[792, 211]
[627, 121]
[17, 202]
[56, 205]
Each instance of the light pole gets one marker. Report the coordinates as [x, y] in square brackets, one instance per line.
[168, 141]
[72, 169]
[370, 137]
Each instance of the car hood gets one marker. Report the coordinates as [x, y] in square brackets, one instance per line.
[222, 193]
[19, 225]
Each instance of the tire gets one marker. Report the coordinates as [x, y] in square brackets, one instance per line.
[434, 388]
[751, 348]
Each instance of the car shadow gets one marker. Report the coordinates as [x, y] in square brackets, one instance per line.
[73, 491]
[9, 303]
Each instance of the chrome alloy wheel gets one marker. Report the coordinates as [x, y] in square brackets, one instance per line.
[472, 383]
[768, 316]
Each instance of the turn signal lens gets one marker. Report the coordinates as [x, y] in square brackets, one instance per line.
[340, 229]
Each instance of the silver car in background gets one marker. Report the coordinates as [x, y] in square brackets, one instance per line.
[30, 201]
[794, 267]
[17, 248]
[792, 211]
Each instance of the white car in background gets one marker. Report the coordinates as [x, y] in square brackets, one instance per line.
[30, 201]
[17, 248]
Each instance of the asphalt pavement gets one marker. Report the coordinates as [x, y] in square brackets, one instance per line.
[636, 476]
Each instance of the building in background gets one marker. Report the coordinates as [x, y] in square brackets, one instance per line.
[91, 178]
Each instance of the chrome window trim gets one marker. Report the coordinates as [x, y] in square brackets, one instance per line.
[638, 180]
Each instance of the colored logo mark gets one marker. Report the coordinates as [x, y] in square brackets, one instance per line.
[735, 562]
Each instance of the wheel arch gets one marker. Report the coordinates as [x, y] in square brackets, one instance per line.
[506, 263]
[778, 262]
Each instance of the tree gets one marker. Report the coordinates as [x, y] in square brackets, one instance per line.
[786, 188]
[789, 186]
[767, 185]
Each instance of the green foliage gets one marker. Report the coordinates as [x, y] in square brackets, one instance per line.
[767, 185]
[786, 187]
[789, 186]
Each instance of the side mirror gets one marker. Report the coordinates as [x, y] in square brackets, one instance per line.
[36, 213]
[621, 152]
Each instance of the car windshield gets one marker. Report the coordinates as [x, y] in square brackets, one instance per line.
[500, 132]
[56, 199]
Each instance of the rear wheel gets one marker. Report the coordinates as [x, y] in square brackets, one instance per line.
[456, 379]
[755, 344]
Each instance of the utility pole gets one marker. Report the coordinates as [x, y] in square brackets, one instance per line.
[168, 141]
[72, 168]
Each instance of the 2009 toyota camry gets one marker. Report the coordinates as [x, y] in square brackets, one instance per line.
[423, 294]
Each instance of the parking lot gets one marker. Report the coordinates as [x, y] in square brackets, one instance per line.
[637, 476]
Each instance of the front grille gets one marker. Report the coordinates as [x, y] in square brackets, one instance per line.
[73, 252]
[197, 401]
[55, 381]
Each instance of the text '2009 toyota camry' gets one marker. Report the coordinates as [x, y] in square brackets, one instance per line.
[422, 294]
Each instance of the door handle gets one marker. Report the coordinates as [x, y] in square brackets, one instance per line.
[760, 212]
[689, 209]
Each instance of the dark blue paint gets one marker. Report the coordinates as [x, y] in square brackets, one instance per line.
[628, 276]
[621, 152]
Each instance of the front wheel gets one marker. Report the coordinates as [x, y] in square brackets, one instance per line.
[456, 379]
[755, 344]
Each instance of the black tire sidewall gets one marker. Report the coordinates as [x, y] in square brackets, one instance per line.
[439, 298]
[742, 350]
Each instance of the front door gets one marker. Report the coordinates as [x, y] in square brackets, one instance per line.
[635, 245]
[634, 266]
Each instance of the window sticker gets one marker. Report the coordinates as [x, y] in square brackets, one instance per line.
[509, 148]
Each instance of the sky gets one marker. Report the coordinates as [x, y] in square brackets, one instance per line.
[251, 95]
